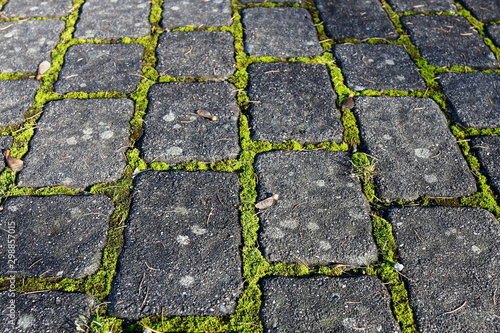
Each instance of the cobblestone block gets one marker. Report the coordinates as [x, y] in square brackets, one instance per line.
[36, 8]
[493, 32]
[214, 13]
[484, 10]
[422, 6]
[16, 97]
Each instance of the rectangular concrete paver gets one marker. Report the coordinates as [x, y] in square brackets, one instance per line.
[484, 10]
[37, 8]
[16, 97]
[214, 13]
[422, 6]
[487, 150]
[493, 32]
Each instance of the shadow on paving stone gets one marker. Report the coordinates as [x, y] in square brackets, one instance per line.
[412, 148]
[422, 6]
[487, 150]
[182, 247]
[56, 236]
[450, 259]
[484, 10]
[321, 216]
[5, 143]
[325, 304]
[37, 8]
[213, 13]
[493, 31]
[16, 97]
[47, 312]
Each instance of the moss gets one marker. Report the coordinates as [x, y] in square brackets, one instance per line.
[365, 170]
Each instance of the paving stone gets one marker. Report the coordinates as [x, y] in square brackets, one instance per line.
[296, 101]
[326, 304]
[214, 13]
[16, 97]
[47, 312]
[493, 32]
[25, 44]
[321, 216]
[105, 19]
[279, 32]
[35, 8]
[355, 19]
[101, 67]
[174, 134]
[196, 54]
[5, 143]
[413, 149]
[474, 98]
[79, 143]
[422, 6]
[182, 247]
[484, 10]
[443, 46]
[487, 150]
[378, 67]
[452, 266]
[56, 235]
[272, 1]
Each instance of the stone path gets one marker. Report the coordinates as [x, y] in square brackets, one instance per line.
[250, 166]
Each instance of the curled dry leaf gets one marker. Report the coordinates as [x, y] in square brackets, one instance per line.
[266, 203]
[14, 163]
[42, 68]
[206, 114]
[348, 103]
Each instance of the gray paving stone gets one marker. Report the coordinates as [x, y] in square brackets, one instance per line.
[378, 67]
[321, 216]
[326, 304]
[443, 46]
[422, 6]
[16, 97]
[279, 32]
[355, 19]
[35, 8]
[56, 235]
[474, 98]
[182, 247]
[452, 263]
[196, 54]
[173, 133]
[110, 19]
[292, 101]
[413, 149]
[272, 1]
[101, 67]
[487, 150]
[24, 45]
[493, 32]
[484, 10]
[47, 312]
[5, 143]
[79, 143]
[214, 13]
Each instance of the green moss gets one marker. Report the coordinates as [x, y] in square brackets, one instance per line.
[365, 170]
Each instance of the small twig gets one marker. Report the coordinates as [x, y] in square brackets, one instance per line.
[191, 49]
[218, 197]
[141, 76]
[140, 284]
[35, 292]
[145, 298]
[151, 268]
[276, 71]
[495, 297]
[36, 262]
[438, 154]
[69, 77]
[210, 214]
[453, 311]
[10, 25]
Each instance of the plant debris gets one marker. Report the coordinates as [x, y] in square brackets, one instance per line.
[266, 203]
[14, 163]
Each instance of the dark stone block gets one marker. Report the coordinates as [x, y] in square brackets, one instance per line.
[37, 8]
[493, 31]
[422, 6]
[484, 10]
[487, 150]
[214, 13]
[16, 97]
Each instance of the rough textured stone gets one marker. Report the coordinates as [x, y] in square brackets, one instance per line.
[196, 54]
[474, 98]
[214, 13]
[24, 45]
[450, 258]
[377, 67]
[5, 143]
[272, 1]
[292, 101]
[101, 67]
[484, 10]
[79, 143]
[422, 6]
[279, 32]
[324, 304]
[35, 8]
[355, 19]
[47, 312]
[110, 19]
[56, 235]
[493, 32]
[413, 150]
[174, 133]
[443, 46]
[16, 98]
[181, 255]
[487, 150]
[321, 216]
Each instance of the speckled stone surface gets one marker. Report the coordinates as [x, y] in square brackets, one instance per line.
[182, 247]
[272, 1]
[450, 259]
[377, 67]
[78, 143]
[443, 46]
[105, 19]
[37, 8]
[47, 312]
[293, 101]
[326, 304]
[279, 32]
[58, 235]
[493, 32]
[92, 68]
[5, 143]
[174, 133]
[196, 54]
[413, 149]
[25, 44]
[355, 19]
[321, 216]
[487, 150]
[16, 97]
[422, 6]
[474, 98]
[214, 13]
[484, 10]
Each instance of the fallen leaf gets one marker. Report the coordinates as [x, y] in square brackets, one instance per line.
[348, 103]
[206, 114]
[266, 203]
[14, 163]
[42, 68]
